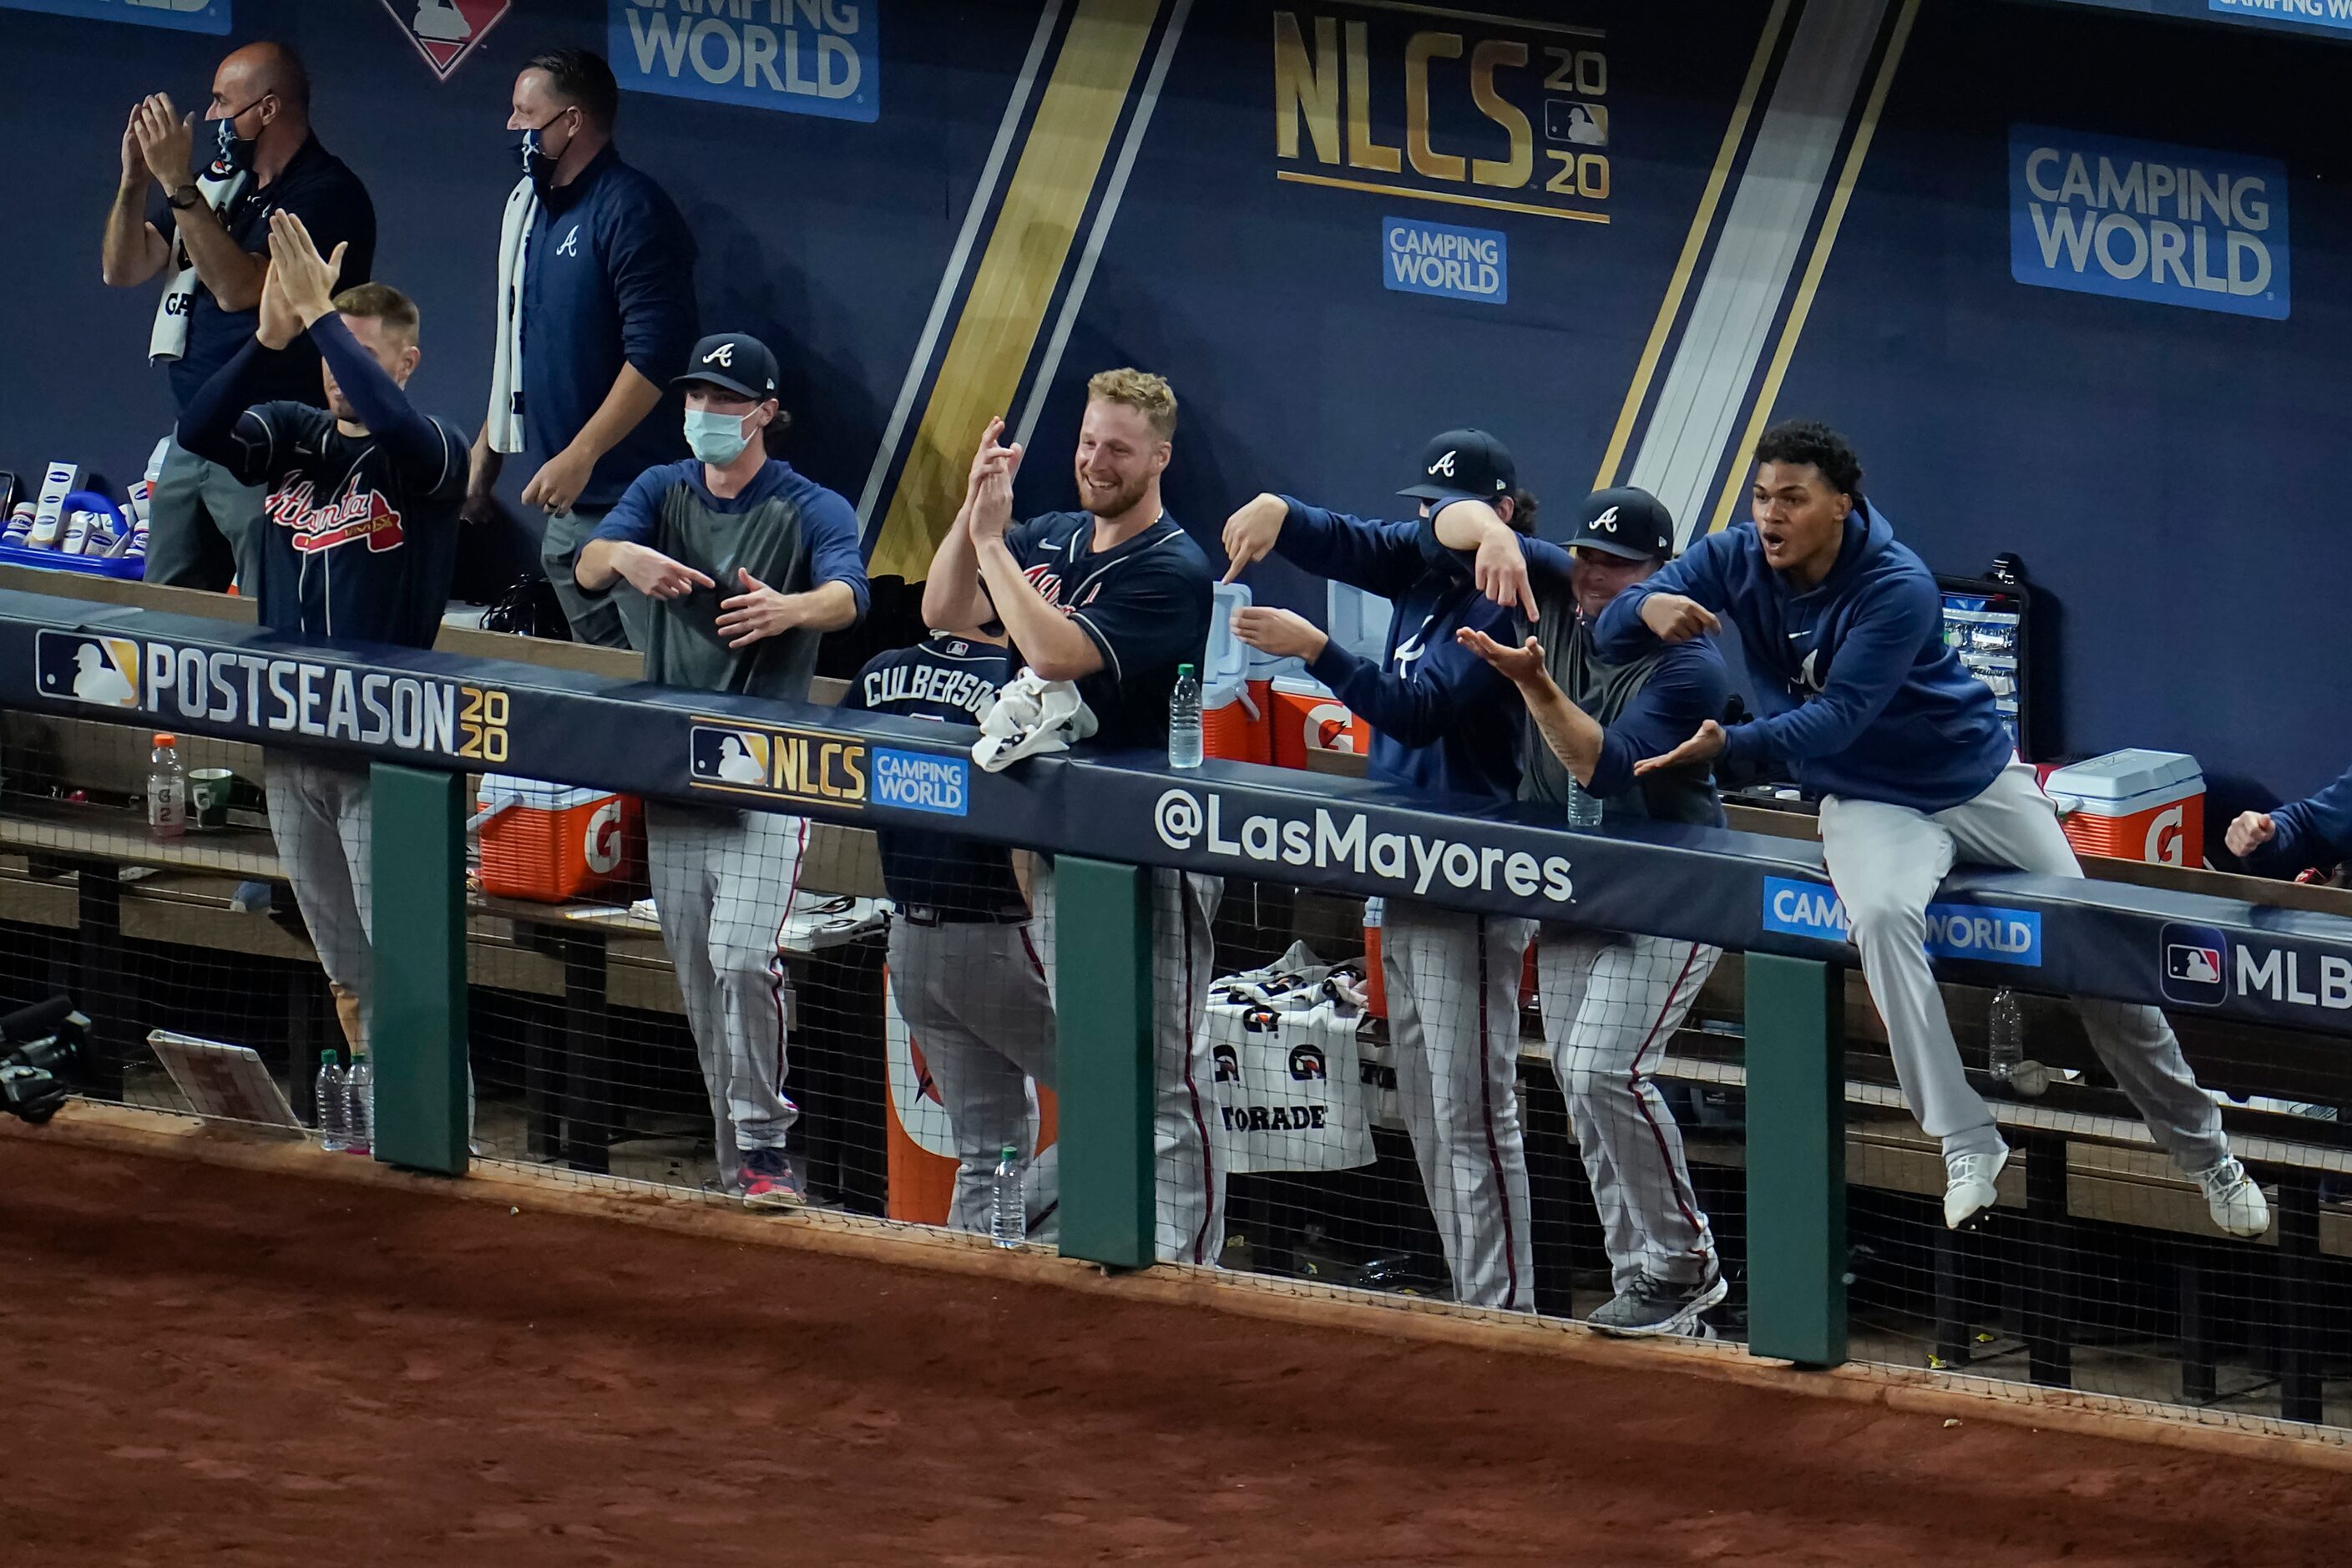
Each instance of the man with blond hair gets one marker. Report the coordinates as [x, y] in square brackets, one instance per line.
[1112, 597]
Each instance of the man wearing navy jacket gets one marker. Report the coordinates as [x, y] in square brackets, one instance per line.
[360, 530]
[1444, 723]
[1612, 1000]
[1842, 630]
[606, 301]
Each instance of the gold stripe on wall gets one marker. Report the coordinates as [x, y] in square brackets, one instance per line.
[1769, 392]
[997, 330]
[1687, 264]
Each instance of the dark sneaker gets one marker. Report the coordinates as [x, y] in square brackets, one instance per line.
[1651, 1306]
[767, 1181]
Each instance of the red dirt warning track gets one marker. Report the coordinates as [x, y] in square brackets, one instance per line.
[222, 1366]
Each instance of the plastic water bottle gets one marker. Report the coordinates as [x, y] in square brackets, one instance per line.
[361, 1091]
[1184, 719]
[1008, 1213]
[1583, 806]
[334, 1104]
[167, 791]
[2005, 1036]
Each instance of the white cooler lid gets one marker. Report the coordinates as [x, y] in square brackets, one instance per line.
[499, 790]
[1303, 686]
[2121, 774]
[1226, 658]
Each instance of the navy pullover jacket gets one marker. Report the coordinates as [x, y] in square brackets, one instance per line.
[1856, 685]
[608, 280]
[1442, 720]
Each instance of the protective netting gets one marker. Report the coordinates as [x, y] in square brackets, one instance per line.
[1400, 1099]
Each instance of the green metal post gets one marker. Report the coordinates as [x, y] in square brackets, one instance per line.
[1796, 1159]
[417, 1017]
[1102, 935]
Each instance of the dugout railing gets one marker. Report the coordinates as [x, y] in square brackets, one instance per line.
[2281, 977]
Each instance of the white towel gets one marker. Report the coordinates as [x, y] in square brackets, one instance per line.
[169, 338]
[1032, 717]
[505, 421]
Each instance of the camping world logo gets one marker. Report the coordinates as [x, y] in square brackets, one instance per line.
[445, 31]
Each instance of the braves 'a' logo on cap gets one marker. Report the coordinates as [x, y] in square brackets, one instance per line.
[1443, 464]
[1607, 522]
[722, 356]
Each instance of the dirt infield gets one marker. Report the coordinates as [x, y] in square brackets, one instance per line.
[217, 1365]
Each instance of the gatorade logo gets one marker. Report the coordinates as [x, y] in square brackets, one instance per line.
[2165, 837]
[1328, 728]
[602, 845]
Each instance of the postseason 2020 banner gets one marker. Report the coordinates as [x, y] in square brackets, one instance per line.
[1734, 890]
[184, 15]
[801, 56]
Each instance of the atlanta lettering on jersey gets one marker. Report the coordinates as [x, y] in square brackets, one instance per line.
[359, 514]
[1048, 583]
[929, 683]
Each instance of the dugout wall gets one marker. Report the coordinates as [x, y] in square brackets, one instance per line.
[1810, 205]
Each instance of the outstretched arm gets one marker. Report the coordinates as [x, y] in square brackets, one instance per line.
[1571, 732]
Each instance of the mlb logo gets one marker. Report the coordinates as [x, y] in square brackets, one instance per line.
[736, 757]
[445, 31]
[2195, 965]
[102, 671]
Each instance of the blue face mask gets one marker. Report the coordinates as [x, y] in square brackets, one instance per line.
[532, 153]
[717, 438]
[232, 154]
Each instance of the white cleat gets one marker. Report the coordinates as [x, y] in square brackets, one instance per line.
[2234, 1201]
[1971, 1186]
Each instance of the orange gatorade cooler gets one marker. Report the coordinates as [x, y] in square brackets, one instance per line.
[550, 842]
[2133, 805]
[1306, 716]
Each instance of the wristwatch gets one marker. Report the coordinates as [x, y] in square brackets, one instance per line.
[182, 199]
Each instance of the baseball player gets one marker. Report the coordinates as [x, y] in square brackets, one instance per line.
[1612, 1001]
[964, 964]
[360, 532]
[748, 564]
[1843, 629]
[1443, 722]
[1113, 596]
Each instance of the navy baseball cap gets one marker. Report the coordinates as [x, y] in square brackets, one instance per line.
[1464, 465]
[736, 361]
[1629, 523]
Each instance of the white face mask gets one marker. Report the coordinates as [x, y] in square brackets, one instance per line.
[717, 438]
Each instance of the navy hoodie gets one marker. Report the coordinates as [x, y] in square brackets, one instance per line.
[1855, 684]
[608, 280]
[1442, 720]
